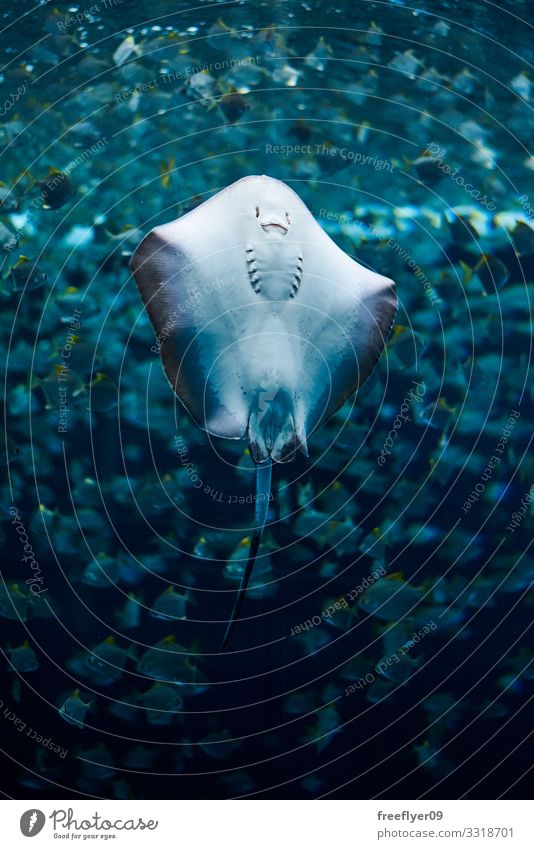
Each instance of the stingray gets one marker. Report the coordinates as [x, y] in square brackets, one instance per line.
[264, 325]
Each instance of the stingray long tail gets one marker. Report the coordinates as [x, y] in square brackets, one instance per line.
[263, 490]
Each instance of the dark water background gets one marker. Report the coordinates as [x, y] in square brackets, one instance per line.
[113, 484]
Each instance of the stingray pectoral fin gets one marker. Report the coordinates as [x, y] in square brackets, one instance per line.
[348, 342]
[373, 326]
[192, 332]
[159, 268]
[196, 372]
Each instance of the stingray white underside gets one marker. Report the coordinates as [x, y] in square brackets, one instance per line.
[266, 326]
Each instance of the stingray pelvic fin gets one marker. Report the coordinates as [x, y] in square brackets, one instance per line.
[272, 430]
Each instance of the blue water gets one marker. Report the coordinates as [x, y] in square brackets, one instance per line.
[406, 132]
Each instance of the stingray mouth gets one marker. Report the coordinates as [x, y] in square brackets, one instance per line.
[273, 223]
[274, 227]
